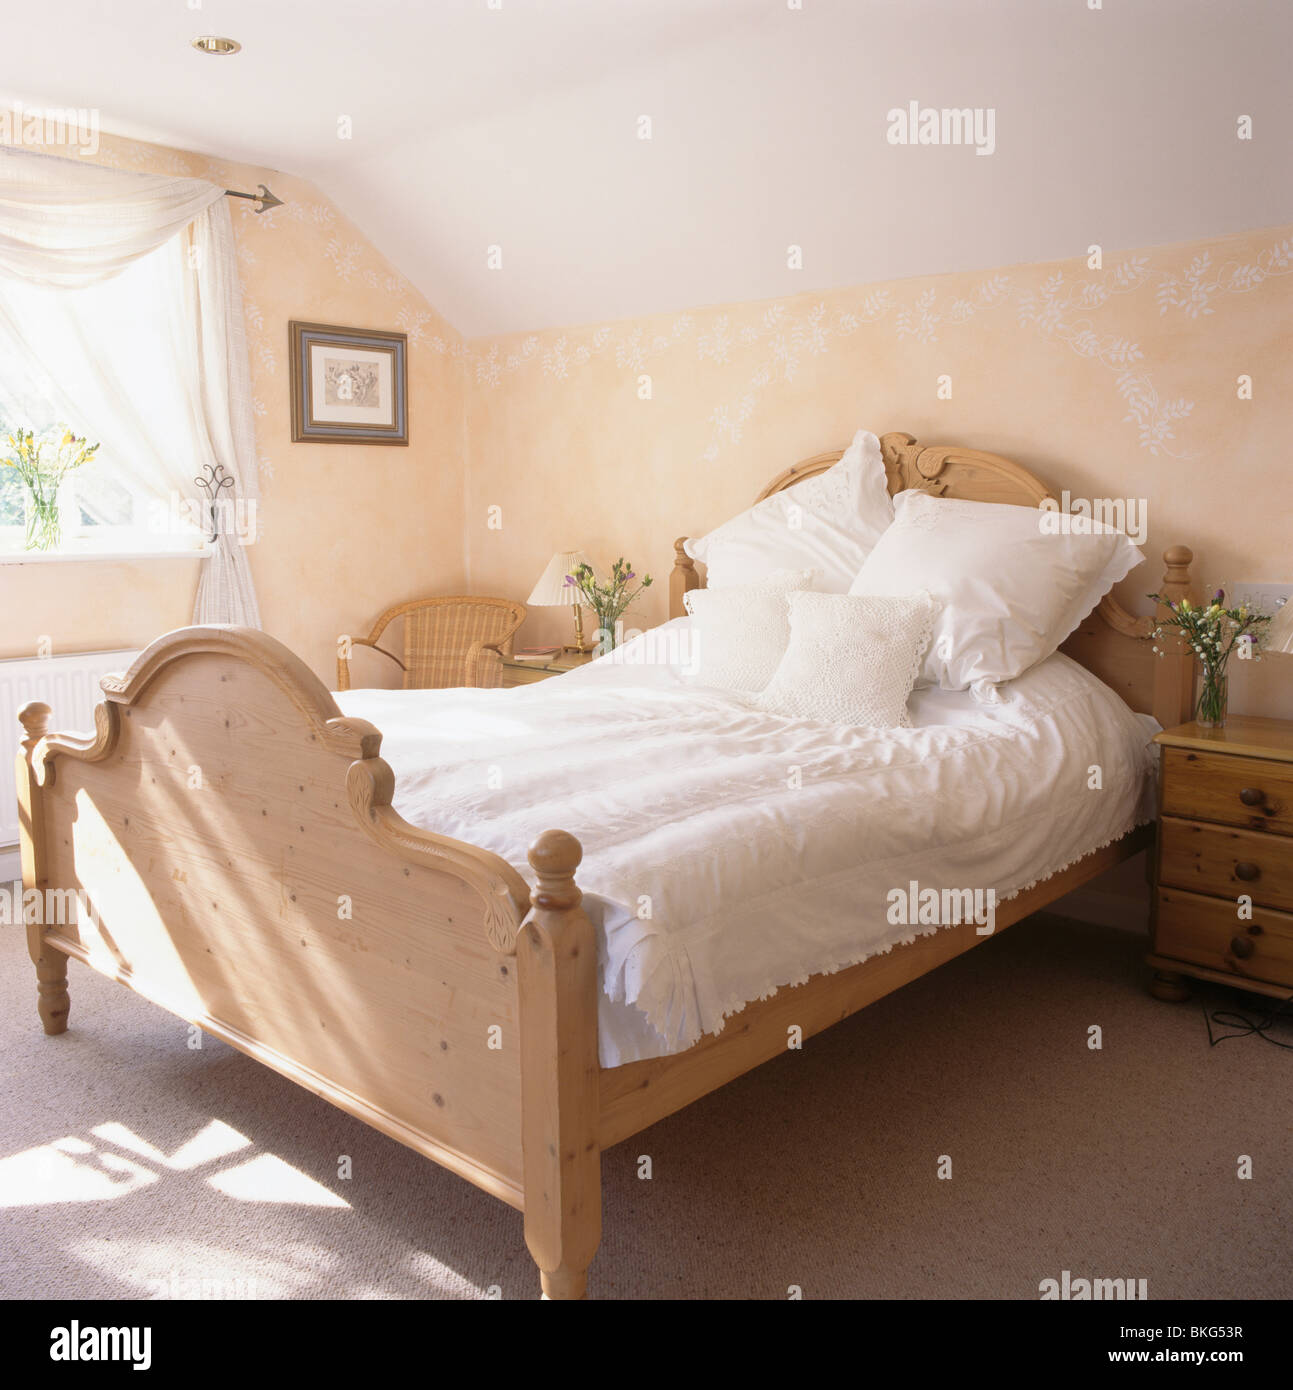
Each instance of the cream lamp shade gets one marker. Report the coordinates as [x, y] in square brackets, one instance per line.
[1279, 636]
[552, 591]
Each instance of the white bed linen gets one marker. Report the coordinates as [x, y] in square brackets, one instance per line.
[729, 852]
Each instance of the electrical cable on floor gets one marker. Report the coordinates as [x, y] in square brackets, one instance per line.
[1245, 1026]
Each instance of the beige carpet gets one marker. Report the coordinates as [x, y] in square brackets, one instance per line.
[132, 1166]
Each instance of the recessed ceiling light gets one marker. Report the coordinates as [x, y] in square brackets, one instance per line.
[212, 43]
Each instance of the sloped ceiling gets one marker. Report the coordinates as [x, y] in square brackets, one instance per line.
[518, 127]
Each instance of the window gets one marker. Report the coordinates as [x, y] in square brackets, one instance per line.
[120, 320]
[116, 384]
[98, 513]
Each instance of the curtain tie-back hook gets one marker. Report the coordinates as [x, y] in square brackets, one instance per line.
[216, 480]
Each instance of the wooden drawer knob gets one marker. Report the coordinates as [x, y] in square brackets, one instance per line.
[1252, 796]
[1247, 872]
[1241, 947]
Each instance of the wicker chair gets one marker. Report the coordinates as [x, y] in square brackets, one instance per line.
[447, 641]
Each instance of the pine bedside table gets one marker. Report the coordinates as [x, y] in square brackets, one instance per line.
[527, 672]
[1223, 872]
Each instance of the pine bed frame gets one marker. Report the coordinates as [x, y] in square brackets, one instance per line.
[232, 834]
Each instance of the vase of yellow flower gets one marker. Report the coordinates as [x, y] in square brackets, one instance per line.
[1213, 632]
[42, 462]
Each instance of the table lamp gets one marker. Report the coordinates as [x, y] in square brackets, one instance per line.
[552, 591]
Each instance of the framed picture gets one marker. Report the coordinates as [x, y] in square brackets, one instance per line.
[349, 385]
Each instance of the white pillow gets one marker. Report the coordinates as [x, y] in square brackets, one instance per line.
[1009, 593]
[741, 633]
[851, 660]
[828, 523]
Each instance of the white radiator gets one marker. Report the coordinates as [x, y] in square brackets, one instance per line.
[69, 685]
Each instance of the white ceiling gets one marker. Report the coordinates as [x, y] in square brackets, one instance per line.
[516, 127]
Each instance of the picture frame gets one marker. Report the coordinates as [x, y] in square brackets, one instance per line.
[349, 385]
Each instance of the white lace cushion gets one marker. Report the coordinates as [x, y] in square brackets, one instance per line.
[829, 523]
[851, 660]
[1008, 591]
[741, 633]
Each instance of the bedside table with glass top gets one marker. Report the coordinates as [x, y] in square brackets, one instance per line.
[517, 672]
[1223, 881]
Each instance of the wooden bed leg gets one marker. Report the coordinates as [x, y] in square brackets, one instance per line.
[1167, 985]
[51, 965]
[52, 999]
[557, 974]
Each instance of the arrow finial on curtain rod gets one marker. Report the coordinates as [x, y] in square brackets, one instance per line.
[265, 198]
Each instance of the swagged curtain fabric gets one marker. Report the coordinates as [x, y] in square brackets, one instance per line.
[83, 249]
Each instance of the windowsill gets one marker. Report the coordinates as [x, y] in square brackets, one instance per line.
[48, 557]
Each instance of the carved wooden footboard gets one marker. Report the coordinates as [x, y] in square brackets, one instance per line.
[230, 839]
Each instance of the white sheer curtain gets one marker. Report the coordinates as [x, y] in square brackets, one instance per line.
[119, 296]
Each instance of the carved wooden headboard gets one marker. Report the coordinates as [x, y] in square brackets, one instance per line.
[1111, 642]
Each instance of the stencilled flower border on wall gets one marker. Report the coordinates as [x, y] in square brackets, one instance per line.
[1064, 309]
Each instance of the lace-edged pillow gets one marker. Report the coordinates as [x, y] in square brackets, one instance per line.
[850, 659]
[741, 633]
[1008, 591]
[831, 522]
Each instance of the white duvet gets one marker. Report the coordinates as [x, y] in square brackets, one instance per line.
[729, 852]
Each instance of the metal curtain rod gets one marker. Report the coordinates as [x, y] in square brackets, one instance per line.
[265, 198]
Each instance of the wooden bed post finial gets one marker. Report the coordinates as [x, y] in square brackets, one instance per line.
[682, 580]
[1178, 559]
[555, 856]
[34, 719]
[560, 1105]
[1174, 670]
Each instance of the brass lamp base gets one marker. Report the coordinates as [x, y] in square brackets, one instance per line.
[581, 647]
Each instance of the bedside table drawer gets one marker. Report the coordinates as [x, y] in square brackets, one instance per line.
[1206, 931]
[1247, 792]
[1213, 859]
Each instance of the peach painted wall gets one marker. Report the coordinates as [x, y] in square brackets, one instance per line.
[1113, 382]
[346, 529]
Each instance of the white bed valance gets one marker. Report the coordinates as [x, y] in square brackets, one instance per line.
[82, 247]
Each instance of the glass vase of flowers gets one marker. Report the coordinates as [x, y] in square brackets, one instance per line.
[42, 462]
[607, 599]
[1213, 633]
